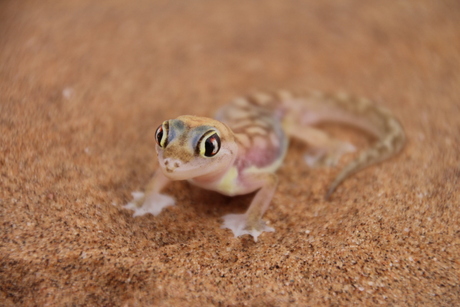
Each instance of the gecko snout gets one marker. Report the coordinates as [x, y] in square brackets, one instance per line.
[171, 164]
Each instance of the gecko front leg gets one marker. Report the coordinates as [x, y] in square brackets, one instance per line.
[251, 221]
[151, 201]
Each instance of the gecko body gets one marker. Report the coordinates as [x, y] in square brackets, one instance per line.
[239, 151]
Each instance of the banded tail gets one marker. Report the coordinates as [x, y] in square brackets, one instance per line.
[297, 111]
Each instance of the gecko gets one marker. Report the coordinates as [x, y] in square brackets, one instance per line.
[239, 151]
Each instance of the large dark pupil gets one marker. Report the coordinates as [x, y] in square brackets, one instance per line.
[212, 145]
[159, 135]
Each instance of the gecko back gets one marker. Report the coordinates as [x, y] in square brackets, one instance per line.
[261, 122]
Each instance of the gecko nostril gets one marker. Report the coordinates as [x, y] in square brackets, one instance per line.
[171, 163]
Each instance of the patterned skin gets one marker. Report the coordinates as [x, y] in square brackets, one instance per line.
[239, 151]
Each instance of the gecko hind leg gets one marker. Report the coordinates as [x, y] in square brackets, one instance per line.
[325, 150]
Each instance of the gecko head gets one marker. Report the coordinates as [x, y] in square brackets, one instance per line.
[191, 146]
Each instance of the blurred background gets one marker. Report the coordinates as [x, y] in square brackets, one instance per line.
[84, 84]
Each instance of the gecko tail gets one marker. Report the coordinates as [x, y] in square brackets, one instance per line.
[317, 107]
[387, 146]
[350, 169]
[300, 110]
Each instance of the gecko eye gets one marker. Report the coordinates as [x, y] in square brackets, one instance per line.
[209, 145]
[161, 135]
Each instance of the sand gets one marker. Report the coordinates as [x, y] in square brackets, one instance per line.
[84, 85]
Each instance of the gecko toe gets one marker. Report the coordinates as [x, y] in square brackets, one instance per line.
[237, 223]
[152, 203]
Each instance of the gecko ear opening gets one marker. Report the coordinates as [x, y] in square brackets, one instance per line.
[209, 144]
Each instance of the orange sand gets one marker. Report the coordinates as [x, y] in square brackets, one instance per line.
[84, 84]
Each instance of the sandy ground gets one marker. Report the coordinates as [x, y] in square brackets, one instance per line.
[84, 84]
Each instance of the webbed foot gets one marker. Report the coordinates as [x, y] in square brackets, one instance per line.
[238, 223]
[151, 203]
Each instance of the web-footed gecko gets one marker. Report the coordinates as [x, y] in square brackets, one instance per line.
[239, 151]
